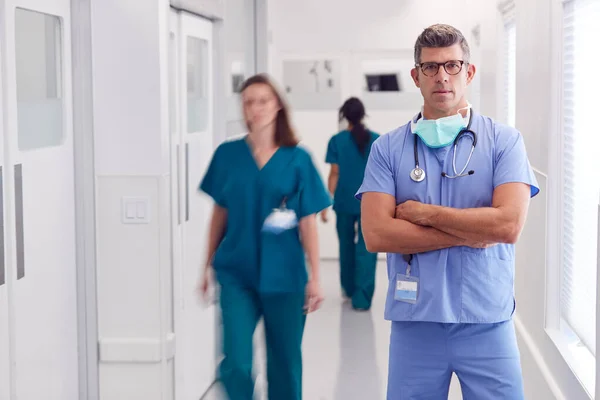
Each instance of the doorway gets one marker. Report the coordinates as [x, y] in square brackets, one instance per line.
[38, 286]
[191, 104]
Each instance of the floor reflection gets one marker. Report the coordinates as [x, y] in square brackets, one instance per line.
[358, 373]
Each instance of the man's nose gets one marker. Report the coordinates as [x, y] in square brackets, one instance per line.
[442, 75]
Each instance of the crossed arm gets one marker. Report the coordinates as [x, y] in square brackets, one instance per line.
[413, 227]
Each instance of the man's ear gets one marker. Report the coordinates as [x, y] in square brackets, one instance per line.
[471, 73]
[414, 73]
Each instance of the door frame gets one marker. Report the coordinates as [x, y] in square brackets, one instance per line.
[180, 20]
[6, 271]
[85, 198]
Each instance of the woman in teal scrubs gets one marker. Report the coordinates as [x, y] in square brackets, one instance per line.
[267, 193]
[348, 152]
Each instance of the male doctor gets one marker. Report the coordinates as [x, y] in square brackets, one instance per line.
[446, 196]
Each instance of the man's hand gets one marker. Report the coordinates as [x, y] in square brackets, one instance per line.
[479, 245]
[421, 214]
[415, 212]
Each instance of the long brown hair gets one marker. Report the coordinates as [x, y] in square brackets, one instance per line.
[284, 133]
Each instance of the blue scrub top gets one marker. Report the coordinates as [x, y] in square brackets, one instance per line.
[267, 262]
[343, 151]
[459, 284]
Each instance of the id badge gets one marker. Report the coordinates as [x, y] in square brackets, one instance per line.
[407, 288]
[280, 220]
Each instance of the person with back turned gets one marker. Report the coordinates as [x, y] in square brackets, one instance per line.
[347, 153]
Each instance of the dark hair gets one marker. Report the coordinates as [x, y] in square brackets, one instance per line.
[353, 111]
[284, 134]
[440, 35]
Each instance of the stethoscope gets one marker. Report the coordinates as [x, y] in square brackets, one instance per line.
[418, 173]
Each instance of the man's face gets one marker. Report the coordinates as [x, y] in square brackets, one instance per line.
[443, 92]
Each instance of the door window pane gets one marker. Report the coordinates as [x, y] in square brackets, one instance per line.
[38, 51]
[172, 84]
[197, 84]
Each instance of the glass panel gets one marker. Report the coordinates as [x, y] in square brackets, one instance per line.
[197, 84]
[172, 84]
[581, 164]
[38, 51]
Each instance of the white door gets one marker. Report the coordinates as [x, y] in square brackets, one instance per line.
[40, 203]
[4, 319]
[191, 148]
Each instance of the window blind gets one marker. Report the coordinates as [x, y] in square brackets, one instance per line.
[580, 167]
[510, 69]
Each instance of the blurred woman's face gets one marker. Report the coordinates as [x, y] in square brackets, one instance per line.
[260, 106]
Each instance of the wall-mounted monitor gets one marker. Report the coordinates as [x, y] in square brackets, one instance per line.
[386, 82]
[383, 82]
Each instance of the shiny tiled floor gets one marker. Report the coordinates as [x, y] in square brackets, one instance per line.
[345, 352]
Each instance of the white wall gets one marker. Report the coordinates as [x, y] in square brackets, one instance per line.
[240, 42]
[351, 31]
[130, 75]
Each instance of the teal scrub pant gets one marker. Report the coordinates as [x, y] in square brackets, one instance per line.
[357, 265]
[284, 320]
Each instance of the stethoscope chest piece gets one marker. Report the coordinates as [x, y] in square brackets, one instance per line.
[417, 174]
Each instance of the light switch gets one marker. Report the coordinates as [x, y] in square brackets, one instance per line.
[135, 210]
[130, 211]
[141, 210]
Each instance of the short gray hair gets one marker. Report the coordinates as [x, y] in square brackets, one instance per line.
[440, 35]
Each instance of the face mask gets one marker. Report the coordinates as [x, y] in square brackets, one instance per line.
[440, 132]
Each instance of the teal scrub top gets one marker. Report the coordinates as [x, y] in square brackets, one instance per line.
[343, 151]
[267, 262]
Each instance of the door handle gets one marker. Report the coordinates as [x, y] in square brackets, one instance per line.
[2, 263]
[19, 221]
[178, 198]
[187, 181]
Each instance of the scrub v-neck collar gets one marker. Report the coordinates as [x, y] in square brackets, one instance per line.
[254, 160]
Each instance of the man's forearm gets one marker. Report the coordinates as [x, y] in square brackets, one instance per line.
[399, 236]
[485, 224]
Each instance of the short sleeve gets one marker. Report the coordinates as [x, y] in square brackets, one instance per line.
[212, 182]
[313, 194]
[332, 152]
[512, 164]
[379, 176]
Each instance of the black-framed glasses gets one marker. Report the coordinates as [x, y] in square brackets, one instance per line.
[452, 67]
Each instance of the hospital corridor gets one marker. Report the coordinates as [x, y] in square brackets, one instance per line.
[345, 352]
[299, 200]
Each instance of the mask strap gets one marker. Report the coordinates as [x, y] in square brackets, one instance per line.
[468, 108]
[415, 119]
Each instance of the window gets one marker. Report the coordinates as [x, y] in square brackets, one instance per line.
[579, 170]
[510, 70]
[39, 80]
[508, 34]
[197, 84]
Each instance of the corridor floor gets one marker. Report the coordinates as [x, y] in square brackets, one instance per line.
[345, 352]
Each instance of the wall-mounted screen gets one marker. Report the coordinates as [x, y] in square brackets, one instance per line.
[383, 83]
